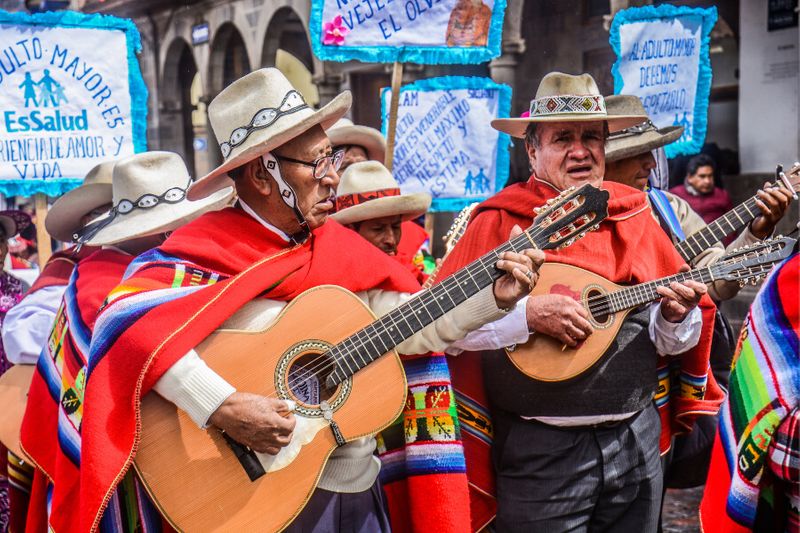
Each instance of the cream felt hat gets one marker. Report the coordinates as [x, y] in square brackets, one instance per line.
[367, 190]
[639, 138]
[345, 133]
[256, 114]
[149, 197]
[64, 217]
[565, 98]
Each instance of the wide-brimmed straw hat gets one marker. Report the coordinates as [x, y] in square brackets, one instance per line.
[345, 133]
[639, 138]
[256, 114]
[64, 217]
[367, 190]
[149, 197]
[565, 98]
[13, 221]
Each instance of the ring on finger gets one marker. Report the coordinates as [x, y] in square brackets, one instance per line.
[529, 273]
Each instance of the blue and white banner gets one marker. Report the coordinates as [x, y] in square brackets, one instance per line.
[408, 31]
[445, 144]
[71, 96]
[662, 57]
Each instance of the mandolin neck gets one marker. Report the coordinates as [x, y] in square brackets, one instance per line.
[731, 222]
[643, 293]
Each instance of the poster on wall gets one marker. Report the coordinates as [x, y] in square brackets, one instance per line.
[407, 31]
[445, 143]
[71, 96]
[662, 57]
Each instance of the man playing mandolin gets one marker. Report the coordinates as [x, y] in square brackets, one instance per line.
[583, 453]
[261, 254]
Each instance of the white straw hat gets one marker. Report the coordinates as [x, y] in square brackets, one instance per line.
[149, 197]
[256, 114]
[64, 217]
[345, 133]
[565, 98]
[367, 190]
[640, 138]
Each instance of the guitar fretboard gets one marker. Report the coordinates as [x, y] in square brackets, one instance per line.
[371, 342]
[730, 222]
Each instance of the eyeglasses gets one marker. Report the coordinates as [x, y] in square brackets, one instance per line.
[321, 165]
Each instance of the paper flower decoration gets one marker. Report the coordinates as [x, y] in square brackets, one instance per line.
[335, 31]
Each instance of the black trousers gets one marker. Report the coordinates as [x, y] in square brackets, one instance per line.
[583, 479]
[340, 512]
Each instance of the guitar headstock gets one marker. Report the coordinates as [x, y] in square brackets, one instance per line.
[753, 262]
[569, 216]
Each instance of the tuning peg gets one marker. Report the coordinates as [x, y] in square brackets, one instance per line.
[742, 283]
[537, 210]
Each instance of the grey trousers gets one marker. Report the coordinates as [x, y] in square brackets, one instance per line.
[583, 479]
[339, 512]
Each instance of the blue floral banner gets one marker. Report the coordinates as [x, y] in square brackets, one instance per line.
[71, 96]
[445, 144]
[662, 57]
[408, 31]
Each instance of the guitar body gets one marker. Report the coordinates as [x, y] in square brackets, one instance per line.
[194, 476]
[14, 385]
[542, 356]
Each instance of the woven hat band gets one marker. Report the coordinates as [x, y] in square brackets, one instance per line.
[568, 104]
[350, 200]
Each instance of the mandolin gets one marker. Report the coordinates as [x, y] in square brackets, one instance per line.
[14, 385]
[734, 220]
[201, 480]
[545, 358]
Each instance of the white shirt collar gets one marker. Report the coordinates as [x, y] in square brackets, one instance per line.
[247, 209]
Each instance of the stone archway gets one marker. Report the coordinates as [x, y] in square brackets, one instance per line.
[229, 60]
[175, 105]
[286, 47]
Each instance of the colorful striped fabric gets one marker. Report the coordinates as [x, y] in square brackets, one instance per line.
[423, 468]
[764, 389]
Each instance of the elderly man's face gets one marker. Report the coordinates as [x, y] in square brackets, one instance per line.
[569, 153]
[315, 197]
[383, 232]
[632, 171]
[353, 154]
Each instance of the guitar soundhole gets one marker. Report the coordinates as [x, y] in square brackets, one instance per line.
[308, 374]
[598, 316]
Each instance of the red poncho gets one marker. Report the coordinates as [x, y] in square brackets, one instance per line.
[59, 267]
[50, 432]
[628, 248]
[218, 262]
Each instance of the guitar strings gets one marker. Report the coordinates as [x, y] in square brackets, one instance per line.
[327, 360]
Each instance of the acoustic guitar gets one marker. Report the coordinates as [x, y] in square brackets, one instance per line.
[546, 359]
[734, 220]
[14, 385]
[202, 481]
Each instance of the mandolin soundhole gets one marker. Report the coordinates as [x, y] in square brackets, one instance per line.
[307, 377]
[600, 318]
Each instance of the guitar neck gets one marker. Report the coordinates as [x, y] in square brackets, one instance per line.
[732, 221]
[643, 293]
[371, 342]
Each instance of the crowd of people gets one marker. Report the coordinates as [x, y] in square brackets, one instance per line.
[158, 261]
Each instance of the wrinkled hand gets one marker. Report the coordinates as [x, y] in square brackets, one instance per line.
[773, 203]
[263, 424]
[522, 272]
[560, 317]
[680, 298]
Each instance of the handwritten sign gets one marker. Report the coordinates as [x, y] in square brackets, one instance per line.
[445, 143]
[71, 96]
[408, 31]
[662, 57]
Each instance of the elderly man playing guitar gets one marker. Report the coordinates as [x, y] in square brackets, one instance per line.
[582, 454]
[257, 258]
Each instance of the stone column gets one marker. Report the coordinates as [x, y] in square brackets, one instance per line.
[329, 85]
[503, 68]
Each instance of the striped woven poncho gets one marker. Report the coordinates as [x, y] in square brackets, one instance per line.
[741, 490]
